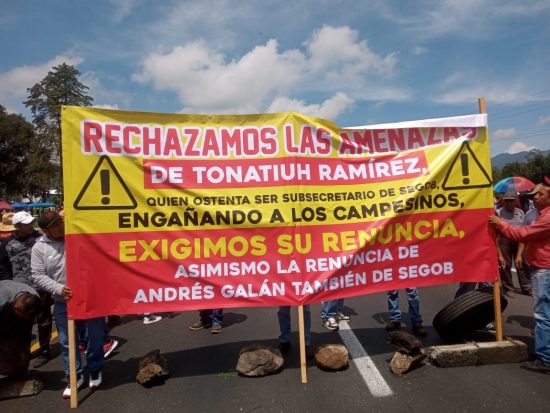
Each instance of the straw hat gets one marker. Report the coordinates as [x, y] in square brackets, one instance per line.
[6, 222]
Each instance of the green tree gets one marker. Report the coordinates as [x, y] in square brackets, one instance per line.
[538, 165]
[535, 168]
[25, 167]
[60, 87]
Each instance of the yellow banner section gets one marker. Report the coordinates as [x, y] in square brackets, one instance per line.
[131, 171]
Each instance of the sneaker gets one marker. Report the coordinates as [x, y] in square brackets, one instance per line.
[330, 323]
[537, 366]
[342, 317]
[109, 346]
[393, 325]
[284, 347]
[41, 359]
[216, 329]
[79, 384]
[151, 318]
[490, 327]
[419, 330]
[95, 379]
[199, 326]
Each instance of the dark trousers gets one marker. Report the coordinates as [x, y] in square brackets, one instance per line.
[211, 316]
[509, 249]
[44, 321]
[15, 347]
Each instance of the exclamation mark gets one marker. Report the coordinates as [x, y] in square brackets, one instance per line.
[465, 171]
[105, 187]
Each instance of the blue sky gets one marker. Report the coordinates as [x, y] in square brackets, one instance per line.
[353, 62]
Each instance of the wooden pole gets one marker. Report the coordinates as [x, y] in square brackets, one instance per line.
[72, 365]
[301, 333]
[496, 284]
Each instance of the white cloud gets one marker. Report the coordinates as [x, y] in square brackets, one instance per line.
[543, 119]
[339, 51]
[122, 8]
[334, 61]
[519, 147]
[213, 19]
[16, 81]
[418, 50]
[106, 106]
[104, 95]
[329, 109]
[204, 82]
[493, 93]
[466, 18]
[504, 133]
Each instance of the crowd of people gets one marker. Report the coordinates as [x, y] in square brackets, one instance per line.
[526, 238]
[33, 278]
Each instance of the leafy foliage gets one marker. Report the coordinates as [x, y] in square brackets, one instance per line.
[60, 87]
[536, 167]
[25, 167]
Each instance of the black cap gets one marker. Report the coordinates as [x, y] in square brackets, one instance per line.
[48, 218]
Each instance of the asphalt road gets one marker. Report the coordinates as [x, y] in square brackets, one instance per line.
[203, 377]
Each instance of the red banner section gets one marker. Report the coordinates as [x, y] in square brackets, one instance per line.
[192, 174]
[138, 272]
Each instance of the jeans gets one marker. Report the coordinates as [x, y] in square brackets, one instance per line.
[331, 308]
[283, 316]
[540, 279]
[509, 249]
[211, 316]
[466, 287]
[95, 329]
[414, 305]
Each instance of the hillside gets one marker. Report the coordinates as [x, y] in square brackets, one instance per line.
[502, 159]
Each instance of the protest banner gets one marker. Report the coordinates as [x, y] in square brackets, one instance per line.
[170, 212]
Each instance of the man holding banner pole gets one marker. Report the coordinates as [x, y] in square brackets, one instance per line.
[537, 238]
[48, 271]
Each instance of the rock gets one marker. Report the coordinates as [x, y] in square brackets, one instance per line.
[153, 369]
[473, 354]
[405, 342]
[402, 362]
[455, 355]
[498, 352]
[27, 386]
[332, 357]
[259, 361]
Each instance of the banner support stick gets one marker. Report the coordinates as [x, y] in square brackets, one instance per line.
[496, 284]
[72, 365]
[301, 333]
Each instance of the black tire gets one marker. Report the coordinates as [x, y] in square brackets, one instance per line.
[466, 314]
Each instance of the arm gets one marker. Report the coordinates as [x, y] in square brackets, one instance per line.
[39, 275]
[519, 256]
[537, 231]
[501, 260]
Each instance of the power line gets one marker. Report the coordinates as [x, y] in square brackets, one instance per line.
[518, 113]
[525, 136]
[542, 92]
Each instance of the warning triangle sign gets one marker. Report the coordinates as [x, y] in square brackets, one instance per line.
[105, 189]
[466, 171]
